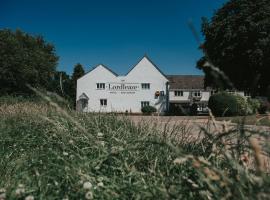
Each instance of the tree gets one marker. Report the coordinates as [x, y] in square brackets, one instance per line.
[25, 59]
[237, 42]
[78, 72]
[61, 84]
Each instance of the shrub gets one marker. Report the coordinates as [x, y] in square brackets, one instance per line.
[178, 110]
[193, 109]
[264, 107]
[225, 104]
[253, 105]
[148, 110]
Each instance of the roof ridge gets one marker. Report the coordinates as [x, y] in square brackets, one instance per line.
[184, 75]
[100, 64]
[146, 56]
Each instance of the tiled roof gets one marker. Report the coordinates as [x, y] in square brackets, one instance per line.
[186, 81]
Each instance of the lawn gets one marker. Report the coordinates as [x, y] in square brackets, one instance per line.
[50, 152]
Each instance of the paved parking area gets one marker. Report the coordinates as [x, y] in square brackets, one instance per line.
[194, 123]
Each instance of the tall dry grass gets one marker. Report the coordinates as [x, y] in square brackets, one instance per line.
[49, 152]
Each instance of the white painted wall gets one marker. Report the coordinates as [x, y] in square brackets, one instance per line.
[121, 101]
[187, 95]
[205, 96]
[143, 72]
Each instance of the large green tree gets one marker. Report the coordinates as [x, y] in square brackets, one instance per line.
[78, 72]
[237, 42]
[25, 59]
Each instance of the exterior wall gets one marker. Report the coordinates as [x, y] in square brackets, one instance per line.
[187, 96]
[122, 100]
[206, 95]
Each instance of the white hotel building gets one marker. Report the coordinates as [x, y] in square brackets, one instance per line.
[102, 90]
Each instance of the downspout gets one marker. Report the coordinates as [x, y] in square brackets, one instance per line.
[167, 97]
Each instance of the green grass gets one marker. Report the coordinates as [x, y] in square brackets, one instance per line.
[52, 153]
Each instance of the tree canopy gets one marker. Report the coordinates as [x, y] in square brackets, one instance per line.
[237, 42]
[25, 59]
[78, 72]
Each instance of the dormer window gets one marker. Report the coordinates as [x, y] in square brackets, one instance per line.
[145, 86]
[101, 86]
[178, 93]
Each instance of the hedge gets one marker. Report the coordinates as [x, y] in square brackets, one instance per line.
[148, 110]
[225, 104]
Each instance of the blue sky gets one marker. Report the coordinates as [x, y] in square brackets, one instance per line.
[116, 33]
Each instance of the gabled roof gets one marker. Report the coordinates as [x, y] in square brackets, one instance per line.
[186, 81]
[107, 68]
[145, 56]
[83, 96]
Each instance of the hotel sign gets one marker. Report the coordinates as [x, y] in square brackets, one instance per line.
[123, 87]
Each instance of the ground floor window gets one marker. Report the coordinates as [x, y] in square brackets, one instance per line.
[144, 103]
[103, 102]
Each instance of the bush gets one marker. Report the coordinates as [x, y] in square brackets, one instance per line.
[193, 109]
[225, 104]
[264, 107]
[148, 110]
[178, 110]
[253, 105]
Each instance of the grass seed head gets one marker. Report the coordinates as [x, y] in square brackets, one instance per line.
[29, 197]
[100, 135]
[89, 195]
[19, 191]
[100, 184]
[2, 196]
[87, 185]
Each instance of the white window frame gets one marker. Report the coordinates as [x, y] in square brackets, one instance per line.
[145, 103]
[162, 93]
[145, 86]
[197, 94]
[178, 93]
[103, 102]
[100, 86]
